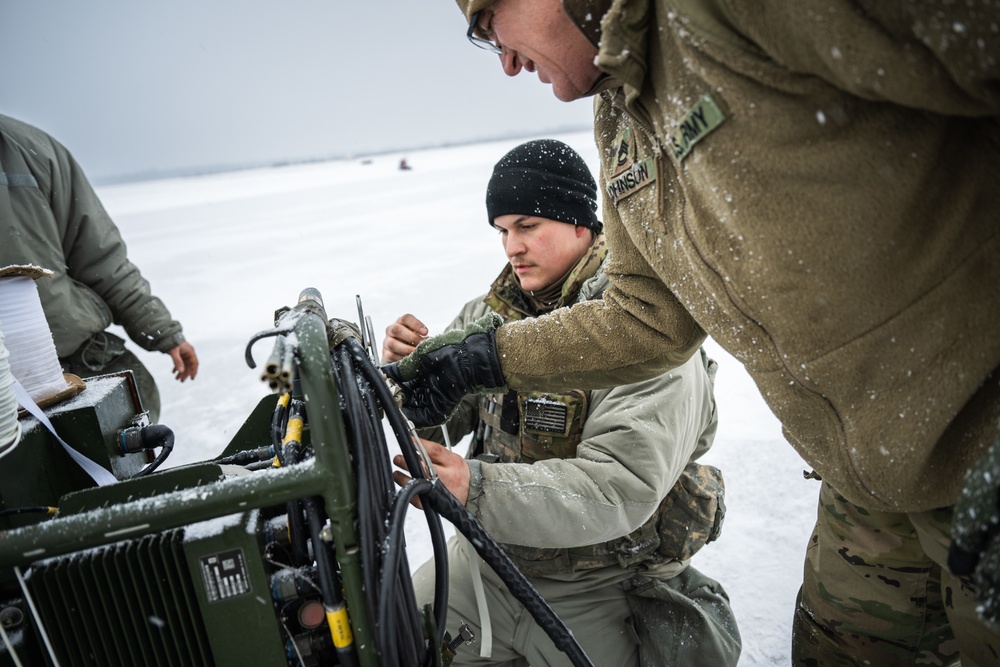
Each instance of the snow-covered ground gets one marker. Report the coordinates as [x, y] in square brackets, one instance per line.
[224, 251]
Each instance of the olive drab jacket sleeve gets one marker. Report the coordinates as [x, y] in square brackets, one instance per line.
[54, 219]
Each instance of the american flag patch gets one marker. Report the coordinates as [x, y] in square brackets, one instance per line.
[545, 415]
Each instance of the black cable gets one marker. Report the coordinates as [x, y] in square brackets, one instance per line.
[277, 427]
[247, 456]
[411, 635]
[288, 455]
[402, 432]
[398, 623]
[435, 500]
[369, 513]
[394, 549]
[329, 582]
[152, 436]
[440, 498]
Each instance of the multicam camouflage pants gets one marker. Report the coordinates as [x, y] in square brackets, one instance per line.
[876, 591]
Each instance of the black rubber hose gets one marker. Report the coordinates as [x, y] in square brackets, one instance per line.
[379, 451]
[247, 456]
[156, 435]
[296, 526]
[392, 413]
[393, 554]
[448, 506]
[402, 433]
[370, 515]
[288, 455]
[329, 582]
[443, 502]
[398, 622]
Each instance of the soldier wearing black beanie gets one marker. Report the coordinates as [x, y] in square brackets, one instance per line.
[544, 178]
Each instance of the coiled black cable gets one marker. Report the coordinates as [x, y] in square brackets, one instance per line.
[399, 630]
[401, 430]
[369, 515]
[396, 631]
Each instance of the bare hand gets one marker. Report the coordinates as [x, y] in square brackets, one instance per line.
[185, 361]
[451, 468]
[401, 337]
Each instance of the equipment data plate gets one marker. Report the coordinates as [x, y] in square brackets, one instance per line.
[225, 575]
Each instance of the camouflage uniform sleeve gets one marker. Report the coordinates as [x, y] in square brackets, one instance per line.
[96, 257]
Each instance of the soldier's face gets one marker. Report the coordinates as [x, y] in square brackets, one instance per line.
[538, 36]
[541, 251]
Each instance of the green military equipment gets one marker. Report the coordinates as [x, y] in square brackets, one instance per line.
[285, 550]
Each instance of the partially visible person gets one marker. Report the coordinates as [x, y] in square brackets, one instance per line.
[595, 495]
[52, 218]
[815, 186]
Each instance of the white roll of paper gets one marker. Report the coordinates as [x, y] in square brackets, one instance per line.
[33, 360]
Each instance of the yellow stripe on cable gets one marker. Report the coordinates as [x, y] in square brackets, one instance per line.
[340, 627]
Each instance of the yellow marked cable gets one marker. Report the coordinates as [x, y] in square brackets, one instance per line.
[340, 627]
[293, 432]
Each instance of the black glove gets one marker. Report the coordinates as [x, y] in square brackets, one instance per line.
[975, 534]
[443, 369]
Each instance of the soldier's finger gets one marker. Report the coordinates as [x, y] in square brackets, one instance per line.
[414, 325]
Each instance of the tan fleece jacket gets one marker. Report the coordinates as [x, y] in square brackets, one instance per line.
[816, 185]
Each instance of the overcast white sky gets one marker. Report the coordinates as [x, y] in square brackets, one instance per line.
[139, 89]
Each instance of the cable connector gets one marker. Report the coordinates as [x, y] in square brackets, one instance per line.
[130, 440]
[465, 636]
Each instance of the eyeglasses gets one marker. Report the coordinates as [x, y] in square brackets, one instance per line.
[486, 42]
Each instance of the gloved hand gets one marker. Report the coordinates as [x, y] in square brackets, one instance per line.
[444, 369]
[975, 534]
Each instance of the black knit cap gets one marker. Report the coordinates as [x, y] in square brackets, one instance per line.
[544, 178]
